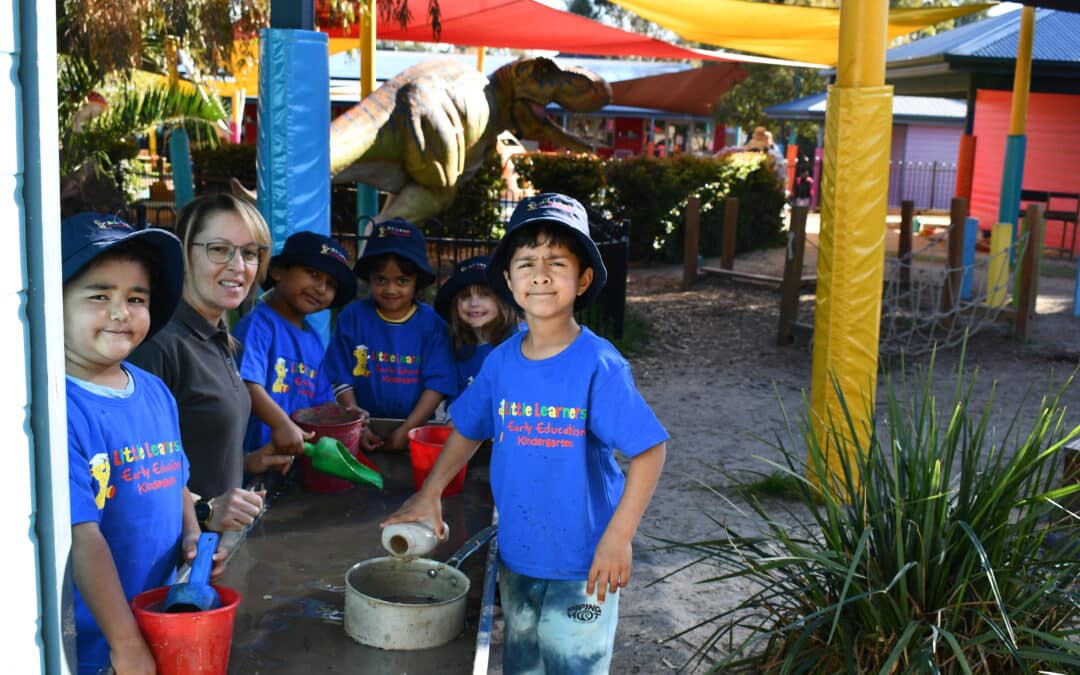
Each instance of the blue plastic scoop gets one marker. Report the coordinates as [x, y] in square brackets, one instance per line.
[197, 595]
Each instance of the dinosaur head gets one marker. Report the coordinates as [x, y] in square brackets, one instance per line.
[530, 84]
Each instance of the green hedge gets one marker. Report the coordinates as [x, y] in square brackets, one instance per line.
[651, 194]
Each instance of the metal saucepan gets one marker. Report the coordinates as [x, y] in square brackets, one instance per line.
[409, 603]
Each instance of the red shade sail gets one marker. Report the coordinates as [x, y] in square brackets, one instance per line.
[526, 24]
[691, 91]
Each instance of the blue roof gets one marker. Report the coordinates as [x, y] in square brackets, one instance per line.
[925, 109]
[346, 65]
[1056, 39]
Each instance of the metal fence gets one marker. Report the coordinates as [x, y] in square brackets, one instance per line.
[930, 185]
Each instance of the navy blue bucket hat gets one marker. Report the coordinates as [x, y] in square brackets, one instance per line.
[319, 252]
[552, 210]
[400, 237]
[470, 272]
[85, 236]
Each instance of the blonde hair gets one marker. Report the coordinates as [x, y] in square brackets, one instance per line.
[193, 218]
[495, 331]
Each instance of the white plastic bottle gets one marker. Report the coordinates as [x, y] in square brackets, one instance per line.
[409, 540]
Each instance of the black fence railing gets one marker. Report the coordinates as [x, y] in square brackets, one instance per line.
[930, 185]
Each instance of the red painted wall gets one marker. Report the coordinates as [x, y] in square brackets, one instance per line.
[1053, 138]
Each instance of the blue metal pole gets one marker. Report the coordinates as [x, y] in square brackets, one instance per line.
[971, 233]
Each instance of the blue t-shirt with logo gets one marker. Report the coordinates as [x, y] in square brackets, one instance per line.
[468, 367]
[555, 423]
[127, 471]
[389, 364]
[285, 360]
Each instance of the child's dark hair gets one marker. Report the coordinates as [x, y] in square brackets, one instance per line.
[367, 266]
[533, 234]
[497, 330]
[132, 250]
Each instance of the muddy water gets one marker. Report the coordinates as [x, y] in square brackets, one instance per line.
[290, 573]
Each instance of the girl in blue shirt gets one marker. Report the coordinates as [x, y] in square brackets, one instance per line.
[479, 320]
[390, 354]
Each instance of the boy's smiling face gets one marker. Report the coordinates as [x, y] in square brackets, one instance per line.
[106, 316]
[301, 290]
[546, 279]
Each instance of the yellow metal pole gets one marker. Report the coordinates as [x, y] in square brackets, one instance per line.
[851, 250]
[480, 58]
[367, 49]
[1022, 76]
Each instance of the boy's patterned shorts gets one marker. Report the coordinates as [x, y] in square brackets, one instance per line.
[554, 627]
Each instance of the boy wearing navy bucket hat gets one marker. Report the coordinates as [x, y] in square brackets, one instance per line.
[558, 401]
[390, 354]
[131, 512]
[282, 359]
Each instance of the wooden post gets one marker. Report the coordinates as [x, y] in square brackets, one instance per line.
[1029, 270]
[793, 264]
[950, 291]
[690, 241]
[903, 251]
[727, 241]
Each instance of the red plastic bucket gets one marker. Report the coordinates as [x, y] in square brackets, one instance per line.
[187, 643]
[425, 444]
[338, 422]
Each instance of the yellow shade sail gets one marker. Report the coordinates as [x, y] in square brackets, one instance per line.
[808, 34]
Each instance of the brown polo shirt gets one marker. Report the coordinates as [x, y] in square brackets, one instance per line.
[193, 358]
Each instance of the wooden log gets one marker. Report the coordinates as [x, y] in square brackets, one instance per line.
[950, 290]
[691, 233]
[903, 251]
[1029, 270]
[727, 241]
[793, 264]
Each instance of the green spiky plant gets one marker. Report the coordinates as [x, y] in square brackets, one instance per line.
[927, 553]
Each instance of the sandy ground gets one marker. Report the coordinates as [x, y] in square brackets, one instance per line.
[713, 374]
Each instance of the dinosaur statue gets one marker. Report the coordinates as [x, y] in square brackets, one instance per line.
[431, 126]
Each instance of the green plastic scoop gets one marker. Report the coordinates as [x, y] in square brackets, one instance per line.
[330, 456]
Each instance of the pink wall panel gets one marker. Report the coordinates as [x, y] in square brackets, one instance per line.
[1053, 144]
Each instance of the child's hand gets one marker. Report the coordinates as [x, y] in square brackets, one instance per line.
[132, 656]
[422, 507]
[398, 438]
[370, 441]
[265, 458]
[288, 439]
[191, 549]
[610, 569]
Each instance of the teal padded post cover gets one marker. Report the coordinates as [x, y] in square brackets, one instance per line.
[293, 146]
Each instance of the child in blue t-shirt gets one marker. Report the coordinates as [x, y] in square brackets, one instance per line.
[557, 400]
[281, 362]
[390, 354]
[479, 319]
[132, 518]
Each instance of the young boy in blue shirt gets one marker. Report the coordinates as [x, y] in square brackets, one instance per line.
[556, 400]
[131, 513]
[282, 359]
[390, 354]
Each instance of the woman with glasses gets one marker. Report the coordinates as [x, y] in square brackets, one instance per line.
[226, 245]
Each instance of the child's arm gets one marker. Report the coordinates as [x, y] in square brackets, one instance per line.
[286, 436]
[423, 410]
[612, 559]
[347, 397]
[95, 574]
[426, 505]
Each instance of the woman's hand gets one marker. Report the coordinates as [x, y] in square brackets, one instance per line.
[267, 457]
[191, 549]
[420, 507]
[235, 510]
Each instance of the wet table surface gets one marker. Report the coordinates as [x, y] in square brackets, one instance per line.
[290, 572]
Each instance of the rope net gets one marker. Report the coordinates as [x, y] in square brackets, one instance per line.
[916, 312]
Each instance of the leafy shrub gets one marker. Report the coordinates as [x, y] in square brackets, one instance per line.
[925, 549]
[476, 207]
[579, 175]
[215, 166]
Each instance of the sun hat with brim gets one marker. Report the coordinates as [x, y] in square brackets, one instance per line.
[319, 252]
[470, 272]
[86, 236]
[400, 237]
[550, 209]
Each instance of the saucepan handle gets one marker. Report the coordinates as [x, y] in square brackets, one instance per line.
[475, 543]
